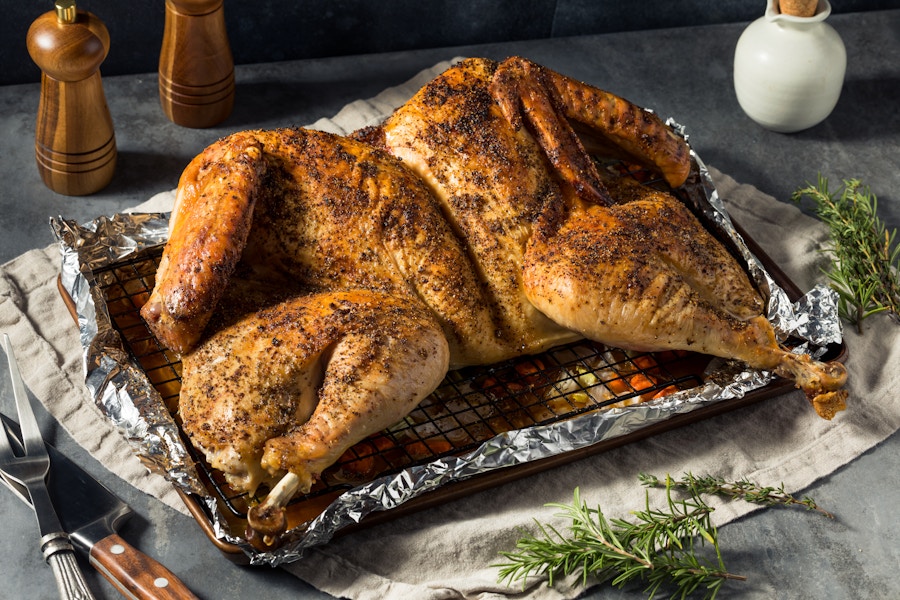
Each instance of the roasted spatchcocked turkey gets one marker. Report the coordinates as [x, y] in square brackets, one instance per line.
[318, 287]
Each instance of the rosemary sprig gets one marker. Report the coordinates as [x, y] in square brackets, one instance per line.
[866, 259]
[743, 490]
[659, 548]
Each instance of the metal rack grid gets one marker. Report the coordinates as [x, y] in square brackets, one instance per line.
[471, 405]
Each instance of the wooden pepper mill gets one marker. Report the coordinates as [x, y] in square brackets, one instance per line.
[196, 69]
[75, 144]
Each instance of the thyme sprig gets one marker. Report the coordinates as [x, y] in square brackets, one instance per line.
[659, 547]
[866, 259]
[744, 490]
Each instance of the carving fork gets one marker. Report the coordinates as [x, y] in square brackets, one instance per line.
[31, 470]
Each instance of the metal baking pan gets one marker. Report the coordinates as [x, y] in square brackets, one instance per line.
[470, 407]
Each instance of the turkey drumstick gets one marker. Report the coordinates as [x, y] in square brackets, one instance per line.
[649, 277]
[289, 388]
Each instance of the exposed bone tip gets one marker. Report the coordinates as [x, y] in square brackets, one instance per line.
[838, 372]
[821, 382]
[265, 526]
[267, 522]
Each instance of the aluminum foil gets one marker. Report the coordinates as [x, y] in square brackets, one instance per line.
[813, 318]
[116, 383]
[128, 398]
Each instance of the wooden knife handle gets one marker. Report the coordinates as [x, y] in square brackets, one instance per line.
[135, 574]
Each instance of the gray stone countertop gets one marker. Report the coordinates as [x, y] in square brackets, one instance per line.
[685, 73]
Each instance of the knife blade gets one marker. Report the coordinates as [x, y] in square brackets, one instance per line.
[91, 514]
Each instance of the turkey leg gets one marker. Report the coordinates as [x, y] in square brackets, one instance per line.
[646, 275]
[287, 389]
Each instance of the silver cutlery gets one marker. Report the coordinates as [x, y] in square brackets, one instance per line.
[91, 513]
[30, 470]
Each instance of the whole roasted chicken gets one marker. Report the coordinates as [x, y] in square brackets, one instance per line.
[318, 287]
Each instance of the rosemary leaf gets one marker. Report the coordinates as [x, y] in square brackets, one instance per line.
[662, 548]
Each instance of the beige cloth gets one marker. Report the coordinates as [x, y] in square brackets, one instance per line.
[447, 552]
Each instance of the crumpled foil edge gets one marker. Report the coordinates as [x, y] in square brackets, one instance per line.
[123, 392]
[813, 318]
[117, 384]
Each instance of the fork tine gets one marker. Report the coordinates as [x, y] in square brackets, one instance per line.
[7, 454]
[31, 434]
[31, 470]
[7, 436]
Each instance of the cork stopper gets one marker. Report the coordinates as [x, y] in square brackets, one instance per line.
[66, 11]
[798, 8]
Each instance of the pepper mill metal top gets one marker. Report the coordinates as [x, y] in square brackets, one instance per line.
[66, 11]
[75, 144]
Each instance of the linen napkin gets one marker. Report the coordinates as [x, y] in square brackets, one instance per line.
[447, 552]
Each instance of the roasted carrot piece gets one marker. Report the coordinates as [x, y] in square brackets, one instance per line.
[669, 389]
[362, 466]
[618, 386]
[641, 382]
[420, 450]
[645, 362]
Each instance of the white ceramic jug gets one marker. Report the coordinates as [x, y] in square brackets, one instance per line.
[788, 71]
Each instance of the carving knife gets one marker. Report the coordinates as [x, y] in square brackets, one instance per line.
[91, 514]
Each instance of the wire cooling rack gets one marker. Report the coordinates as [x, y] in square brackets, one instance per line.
[471, 406]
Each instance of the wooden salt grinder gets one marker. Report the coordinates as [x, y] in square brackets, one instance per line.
[75, 145]
[196, 69]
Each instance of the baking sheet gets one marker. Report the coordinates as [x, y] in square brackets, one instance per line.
[545, 412]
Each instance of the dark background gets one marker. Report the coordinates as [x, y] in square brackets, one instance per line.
[277, 30]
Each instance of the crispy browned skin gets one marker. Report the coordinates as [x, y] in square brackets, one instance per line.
[318, 287]
[312, 215]
[644, 274]
[554, 105]
[207, 232]
[331, 213]
[292, 386]
[492, 182]
[657, 281]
